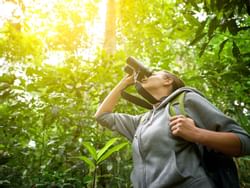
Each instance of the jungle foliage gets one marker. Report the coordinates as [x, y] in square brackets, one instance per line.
[48, 135]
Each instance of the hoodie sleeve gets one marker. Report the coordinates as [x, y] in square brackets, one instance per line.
[122, 123]
[209, 117]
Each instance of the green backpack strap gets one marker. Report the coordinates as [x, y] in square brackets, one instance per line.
[178, 100]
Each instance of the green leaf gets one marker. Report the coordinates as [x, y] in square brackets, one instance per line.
[88, 161]
[248, 7]
[106, 147]
[111, 151]
[232, 27]
[91, 149]
[197, 39]
[222, 46]
[212, 4]
[212, 26]
[4, 182]
[203, 48]
[219, 4]
[236, 51]
[194, 4]
[87, 179]
[201, 27]
[4, 85]
[191, 19]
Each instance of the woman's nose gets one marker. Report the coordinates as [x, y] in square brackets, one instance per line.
[144, 78]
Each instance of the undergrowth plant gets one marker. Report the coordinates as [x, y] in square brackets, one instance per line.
[96, 157]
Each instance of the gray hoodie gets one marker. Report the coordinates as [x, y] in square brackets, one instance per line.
[162, 160]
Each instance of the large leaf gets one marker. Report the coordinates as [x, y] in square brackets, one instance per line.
[88, 161]
[197, 39]
[232, 27]
[203, 48]
[222, 46]
[106, 147]
[111, 151]
[212, 26]
[201, 27]
[236, 51]
[91, 149]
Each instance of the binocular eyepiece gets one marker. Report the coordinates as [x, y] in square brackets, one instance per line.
[134, 66]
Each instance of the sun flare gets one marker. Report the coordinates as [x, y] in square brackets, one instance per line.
[61, 23]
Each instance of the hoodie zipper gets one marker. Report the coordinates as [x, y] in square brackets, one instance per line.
[140, 145]
[142, 128]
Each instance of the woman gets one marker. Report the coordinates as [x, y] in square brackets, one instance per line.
[164, 147]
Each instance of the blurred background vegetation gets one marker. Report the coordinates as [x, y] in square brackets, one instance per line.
[60, 58]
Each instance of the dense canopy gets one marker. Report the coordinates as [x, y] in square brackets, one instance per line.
[60, 58]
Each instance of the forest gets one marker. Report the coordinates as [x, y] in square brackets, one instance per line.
[60, 58]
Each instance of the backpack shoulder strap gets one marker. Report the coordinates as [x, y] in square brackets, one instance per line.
[177, 106]
[220, 168]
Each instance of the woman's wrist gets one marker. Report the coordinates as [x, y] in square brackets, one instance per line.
[197, 135]
[123, 84]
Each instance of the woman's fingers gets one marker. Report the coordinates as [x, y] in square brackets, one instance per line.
[176, 117]
[176, 120]
[182, 126]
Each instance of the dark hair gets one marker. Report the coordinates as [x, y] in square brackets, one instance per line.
[177, 82]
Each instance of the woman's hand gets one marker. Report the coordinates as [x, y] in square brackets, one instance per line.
[183, 127]
[111, 100]
[127, 81]
[225, 142]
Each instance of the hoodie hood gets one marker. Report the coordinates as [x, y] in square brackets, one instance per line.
[176, 93]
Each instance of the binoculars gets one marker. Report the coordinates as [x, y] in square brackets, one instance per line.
[134, 66]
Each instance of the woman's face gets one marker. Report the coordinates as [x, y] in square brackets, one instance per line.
[156, 80]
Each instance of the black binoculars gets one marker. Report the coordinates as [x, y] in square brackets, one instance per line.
[134, 66]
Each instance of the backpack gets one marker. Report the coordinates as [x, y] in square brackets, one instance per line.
[221, 169]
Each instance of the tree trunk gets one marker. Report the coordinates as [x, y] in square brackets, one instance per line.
[110, 28]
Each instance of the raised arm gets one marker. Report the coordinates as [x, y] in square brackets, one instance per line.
[111, 100]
